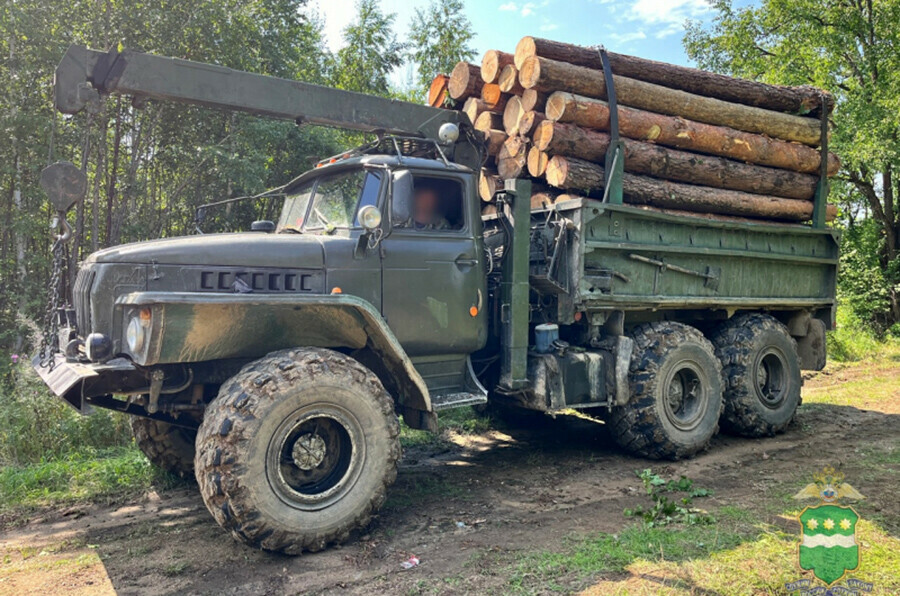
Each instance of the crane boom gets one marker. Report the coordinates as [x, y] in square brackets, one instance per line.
[84, 74]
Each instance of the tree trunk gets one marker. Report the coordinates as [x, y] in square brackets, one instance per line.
[512, 114]
[488, 121]
[493, 98]
[537, 161]
[510, 166]
[671, 164]
[550, 75]
[465, 81]
[533, 100]
[530, 121]
[509, 80]
[492, 63]
[583, 176]
[437, 91]
[686, 134]
[780, 98]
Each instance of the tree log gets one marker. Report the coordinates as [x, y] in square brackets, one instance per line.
[543, 199]
[686, 134]
[795, 100]
[516, 144]
[488, 121]
[550, 75]
[492, 63]
[510, 166]
[576, 174]
[473, 107]
[671, 164]
[533, 100]
[493, 98]
[495, 140]
[465, 81]
[437, 92]
[509, 80]
[530, 121]
[536, 162]
[488, 184]
[512, 114]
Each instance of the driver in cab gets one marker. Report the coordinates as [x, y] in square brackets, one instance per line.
[427, 210]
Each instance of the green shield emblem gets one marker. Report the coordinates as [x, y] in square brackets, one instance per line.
[828, 545]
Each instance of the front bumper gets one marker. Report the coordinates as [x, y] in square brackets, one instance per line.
[75, 382]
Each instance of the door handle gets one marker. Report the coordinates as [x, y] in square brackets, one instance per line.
[465, 261]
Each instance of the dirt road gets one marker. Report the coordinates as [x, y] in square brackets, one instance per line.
[466, 507]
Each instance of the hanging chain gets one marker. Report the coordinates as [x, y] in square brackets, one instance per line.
[49, 345]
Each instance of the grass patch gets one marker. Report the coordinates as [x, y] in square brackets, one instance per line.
[852, 341]
[107, 475]
[464, 421]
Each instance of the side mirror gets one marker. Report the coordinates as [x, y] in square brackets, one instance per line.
[64, 184]
[369, 217]
[402, 197]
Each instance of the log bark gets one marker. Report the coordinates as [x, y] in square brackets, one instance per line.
[550, 75]
[486, 121]
[492, 63]
[489, 182]
[536, 162]
[795, 100]
[510, 166]
[512, 114]
[516, 144]
[493, 98]
[533, 100]
[494, 140]
[509, 80]
[586, 177]
[465, 81]
[473, 107]
[686, 134]
[437, 91]
[529, 122]
[671, 164]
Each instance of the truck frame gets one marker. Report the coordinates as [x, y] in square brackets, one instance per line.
[273, 364]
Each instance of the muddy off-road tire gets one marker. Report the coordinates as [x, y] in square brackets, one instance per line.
[762, 374]
[298, 450]
[676, 393]
[167, 446]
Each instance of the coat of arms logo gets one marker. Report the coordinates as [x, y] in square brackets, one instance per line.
[828, 545]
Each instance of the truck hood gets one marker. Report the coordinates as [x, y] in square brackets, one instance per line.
[251, 249]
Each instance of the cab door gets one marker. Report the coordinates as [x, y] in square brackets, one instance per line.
[434, 287]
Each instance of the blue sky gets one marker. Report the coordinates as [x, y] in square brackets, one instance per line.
[647, 28]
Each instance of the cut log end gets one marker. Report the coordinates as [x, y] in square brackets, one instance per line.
[533, 100]
[493, 63]
[529, 122]
[509, 80]
[437, 91]
[510, 166]
[493, 98]
[560, 107]
[465, 81]
[524, 49]
[530, 72]
[488, 184]
[473, 107]
[536, 162]
[488, 121]
[512, 113]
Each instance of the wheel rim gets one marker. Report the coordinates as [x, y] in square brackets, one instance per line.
[315, 457]
[770, 377]
[685, 395]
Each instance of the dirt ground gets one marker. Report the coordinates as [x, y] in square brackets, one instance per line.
[455, 506]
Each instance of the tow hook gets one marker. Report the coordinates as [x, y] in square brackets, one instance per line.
[156, 382]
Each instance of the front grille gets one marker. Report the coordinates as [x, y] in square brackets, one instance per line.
[81, 295]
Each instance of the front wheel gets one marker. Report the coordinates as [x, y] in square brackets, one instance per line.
[676, 393]
[298, 450]
[167, 446]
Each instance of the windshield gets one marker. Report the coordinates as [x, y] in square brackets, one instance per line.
[329, 202]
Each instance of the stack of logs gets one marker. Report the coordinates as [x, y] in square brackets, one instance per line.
[694, 141]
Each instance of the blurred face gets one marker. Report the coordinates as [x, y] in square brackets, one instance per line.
[425, 205]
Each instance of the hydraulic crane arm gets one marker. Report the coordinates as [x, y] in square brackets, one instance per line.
[83, 75]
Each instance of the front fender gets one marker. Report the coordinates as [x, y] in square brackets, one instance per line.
[186, 327]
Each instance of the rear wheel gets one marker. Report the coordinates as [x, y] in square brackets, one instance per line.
[298, 450]
[676, 393]
[762, 374]
[167, 446]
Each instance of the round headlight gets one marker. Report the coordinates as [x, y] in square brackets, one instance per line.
[134, 335]
[369, 217]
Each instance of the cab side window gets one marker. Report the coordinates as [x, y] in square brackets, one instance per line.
[437, 204]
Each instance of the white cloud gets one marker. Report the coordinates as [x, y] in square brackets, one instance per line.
[509, 7]
[623, 38]
[547, 26]
[528, 9]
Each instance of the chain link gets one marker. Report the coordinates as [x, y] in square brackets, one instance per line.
[50, 331]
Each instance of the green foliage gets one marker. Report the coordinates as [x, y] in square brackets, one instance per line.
[665, 510]
[853, 50]
[440, 37]
[37, 427]
[371, 51]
